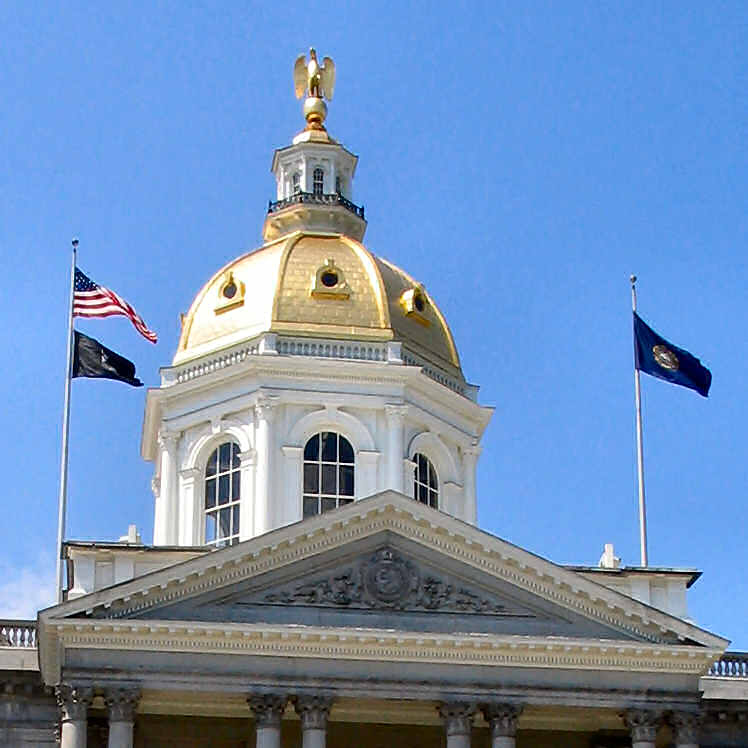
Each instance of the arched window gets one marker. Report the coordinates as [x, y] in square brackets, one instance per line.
[318, 181]
[296, 182]
[328, 473]
[222, 480]
[426, 482]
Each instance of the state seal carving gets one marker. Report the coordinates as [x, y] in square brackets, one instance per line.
[389, 579]
[665, 357]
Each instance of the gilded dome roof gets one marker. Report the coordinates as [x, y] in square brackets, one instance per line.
[317, 286]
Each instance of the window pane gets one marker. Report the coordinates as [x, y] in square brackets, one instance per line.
[224, 523]
[329, 504]
[346, 450]
[346, 480]
[224, 485]
[423, 493]
[235, 461]
[433, 496]
[329, 482]
[210, 527]
[224, 456]
[311, 478]
[311, 451]
[310, 506]
[211, 467]
[235, 520]
[433, 482]
[236, 480]
[329, 446]
[210, 493]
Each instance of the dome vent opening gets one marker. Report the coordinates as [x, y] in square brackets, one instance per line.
[414, 304]
[230, 294]
[329, 282]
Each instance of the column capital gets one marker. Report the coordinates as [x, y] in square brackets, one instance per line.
[121, 703]
[73, 701]
[686, 727]
[473, 451]
[502, 718]
[395, 412]
[313, 711]
[643, 724]
[264, 408]
[267, 708]
[457, 717]
[167, 439]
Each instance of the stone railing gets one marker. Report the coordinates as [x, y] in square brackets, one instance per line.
[730, 665]
[314, 199]
[18, 634]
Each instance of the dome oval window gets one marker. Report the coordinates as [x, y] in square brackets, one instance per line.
[329, 282]
[230, 293]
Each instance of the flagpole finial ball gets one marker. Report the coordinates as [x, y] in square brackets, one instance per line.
[75, 243]
[632, 278]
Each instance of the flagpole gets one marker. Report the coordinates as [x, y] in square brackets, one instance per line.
[62, 504]
[639, 446]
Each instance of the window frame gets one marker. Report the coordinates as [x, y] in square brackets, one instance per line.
[421, 486]
[318, 180]
[326, 467]
[233, 474]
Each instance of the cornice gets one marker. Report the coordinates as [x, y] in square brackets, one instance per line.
[379, 645]
[411, 520]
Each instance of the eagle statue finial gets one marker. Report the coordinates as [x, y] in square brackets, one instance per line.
[318, 83]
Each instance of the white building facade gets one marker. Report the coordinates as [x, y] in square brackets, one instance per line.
[317, 577]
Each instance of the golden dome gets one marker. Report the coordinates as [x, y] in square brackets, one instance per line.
[318, 286]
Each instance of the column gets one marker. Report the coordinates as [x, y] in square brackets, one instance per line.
[469, 460]
[166, 521]
[686, 728]
[121, 704]
[458, 723]
[502, 719]
[267, 710]
[643, 726]
[73, 702]
[313, 711]
[395, 445]
[264, 443]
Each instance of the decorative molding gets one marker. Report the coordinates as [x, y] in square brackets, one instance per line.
[686, 727]
[502, 719]
[387, 580]
[643, 724]
[267, 709]
[457, 717]
[313, 710]
[122, 703]
[73, 701]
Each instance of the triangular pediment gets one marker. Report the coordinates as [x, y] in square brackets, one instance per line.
[386, 562]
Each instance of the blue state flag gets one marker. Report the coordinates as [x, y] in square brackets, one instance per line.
[655, 356]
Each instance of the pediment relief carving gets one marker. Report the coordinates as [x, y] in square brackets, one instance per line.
[387, 580]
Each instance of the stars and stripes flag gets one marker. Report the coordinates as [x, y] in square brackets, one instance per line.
[93, 300]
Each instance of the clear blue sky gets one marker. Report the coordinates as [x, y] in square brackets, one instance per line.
[520, 158]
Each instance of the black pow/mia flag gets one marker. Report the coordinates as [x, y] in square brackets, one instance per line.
[92, 359]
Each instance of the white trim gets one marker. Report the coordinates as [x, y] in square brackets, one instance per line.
[331, 419]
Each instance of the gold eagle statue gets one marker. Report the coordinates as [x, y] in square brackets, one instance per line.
[315, 80]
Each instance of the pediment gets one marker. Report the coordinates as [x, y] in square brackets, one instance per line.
[386, 562]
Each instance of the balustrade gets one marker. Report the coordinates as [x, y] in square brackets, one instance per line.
[18, 634]
[309, 197]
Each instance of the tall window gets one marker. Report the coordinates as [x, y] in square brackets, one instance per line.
[328, 473]
[296, 182]
[426, 483]
[222, 477]
[318, 181]
[338, 186]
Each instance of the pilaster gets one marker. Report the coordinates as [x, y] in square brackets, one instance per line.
[367, 469]
[265, 410]
[166, 521]
[293, 458]
[191, 506]
[248, 468]
[395, 445]
[469, 462]
[686, 729]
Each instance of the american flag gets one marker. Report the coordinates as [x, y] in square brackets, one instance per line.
[92, 300]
